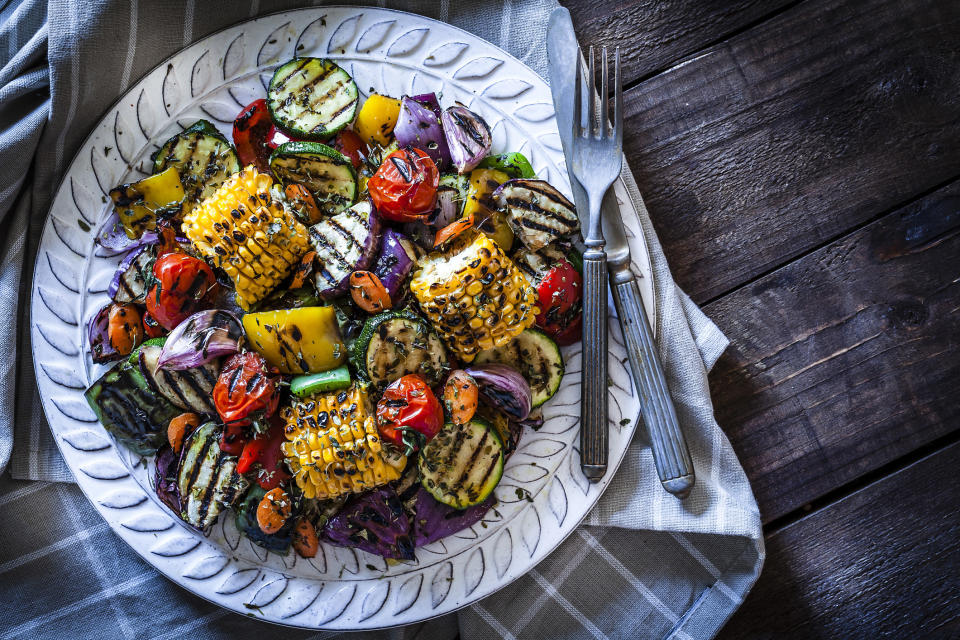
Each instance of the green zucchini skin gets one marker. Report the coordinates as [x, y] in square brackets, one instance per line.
[312, 98]
[190, 389]
[395, 343]
[129, 409]
[514, 164]
[207, 478]
[462, 465]
[203, 158]
[327, 173]
[536, 356]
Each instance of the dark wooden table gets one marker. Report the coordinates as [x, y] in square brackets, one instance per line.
[801, 162]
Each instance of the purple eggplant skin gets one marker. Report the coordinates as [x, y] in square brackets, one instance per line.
[374, 522]
[395, 262]
[468, 137]
[100, 348]
[434, 520]
[418, 126]
[165, 479]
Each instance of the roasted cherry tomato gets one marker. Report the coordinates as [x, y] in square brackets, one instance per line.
[404, 188]
[124, 328]
[182, 283]
[246, 393]
[251, 130]
[151, 327]
[560, 298]
[408, 414]
[349, 144]
[262, 454]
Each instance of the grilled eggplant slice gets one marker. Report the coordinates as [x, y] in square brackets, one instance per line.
[203, 158]
[326, 172]
[129, 284]
[462, 465]
[129, 409]
[189, 389]
[312, 98]
[536, 356]
[344, 243]
[207, 478]
[537, 213]
[395, 343]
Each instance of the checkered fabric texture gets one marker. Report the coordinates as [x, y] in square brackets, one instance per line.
[643, 565]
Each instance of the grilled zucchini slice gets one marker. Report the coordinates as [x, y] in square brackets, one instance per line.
[203, 158]
[207, 478]
[462, 465]
[312, 98]
[537, 213]
[395, 343]
[326, 172]
[536, 356]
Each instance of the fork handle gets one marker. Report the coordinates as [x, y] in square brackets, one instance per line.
[593, 408]
[670, 453]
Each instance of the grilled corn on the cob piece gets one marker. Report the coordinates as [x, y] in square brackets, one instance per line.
[475, 296]
[333, 447]
[244, 230]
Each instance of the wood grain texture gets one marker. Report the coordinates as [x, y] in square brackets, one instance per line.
[847, 358]
[653, 34]
[817, 120]
[883, 562]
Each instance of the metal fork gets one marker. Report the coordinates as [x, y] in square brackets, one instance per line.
[597, 158]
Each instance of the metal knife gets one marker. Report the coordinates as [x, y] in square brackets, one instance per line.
[670, 452]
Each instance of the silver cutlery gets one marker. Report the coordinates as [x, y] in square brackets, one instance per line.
[597, 157]
[670, 452]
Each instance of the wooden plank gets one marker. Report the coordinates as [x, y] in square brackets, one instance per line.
[847, 358]
[653, 34]
[765, 146]
[883, 562]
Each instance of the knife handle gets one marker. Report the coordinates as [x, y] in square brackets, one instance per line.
[670, 452]
[593, 374]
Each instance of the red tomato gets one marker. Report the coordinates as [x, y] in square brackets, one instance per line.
[246, 391]
[251, 130]
[182, 283]
[560, 294]
[264, 450]
[349, 144]
[151, 327]
[404, 188]
[409, 414]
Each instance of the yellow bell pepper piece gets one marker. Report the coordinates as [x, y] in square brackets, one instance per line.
[305, 340]
[483, 182]
[377, 118]
[137, 203]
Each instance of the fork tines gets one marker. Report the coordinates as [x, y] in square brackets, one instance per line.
[598, 125]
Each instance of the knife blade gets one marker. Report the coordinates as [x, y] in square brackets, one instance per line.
[670, 452]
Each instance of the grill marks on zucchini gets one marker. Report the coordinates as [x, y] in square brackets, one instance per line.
[537, 213]
[203, 158]
[207, 478]
[312, 97]
[536, 356]
[342, 243]
[393, 344]
[326, 172]
[463, 464]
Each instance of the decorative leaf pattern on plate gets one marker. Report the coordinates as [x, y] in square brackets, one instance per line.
[340, 588]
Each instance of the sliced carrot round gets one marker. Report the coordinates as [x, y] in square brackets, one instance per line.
[180, 427]
[368, 292]
[302, 200]
[273, 511]
[124, 328]
[305, 541]
[453, 230]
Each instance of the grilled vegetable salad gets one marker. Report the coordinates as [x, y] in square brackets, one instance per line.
[337, 326]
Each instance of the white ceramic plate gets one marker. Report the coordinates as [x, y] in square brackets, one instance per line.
[543, 495]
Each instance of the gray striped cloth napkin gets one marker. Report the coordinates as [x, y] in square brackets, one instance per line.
[644, 565]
